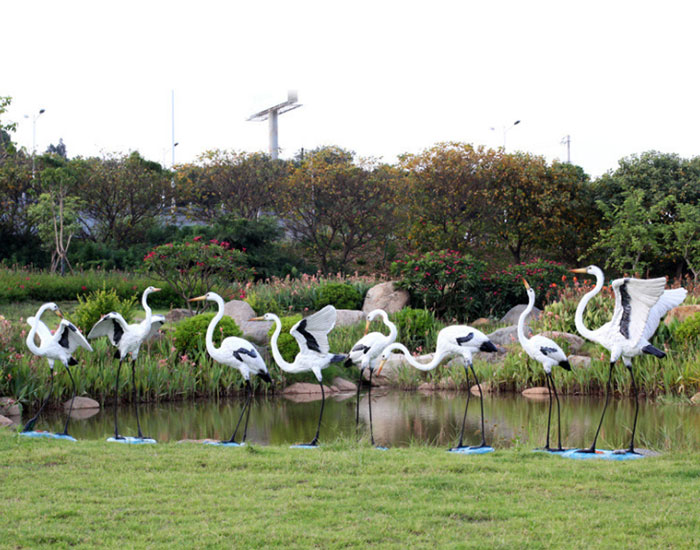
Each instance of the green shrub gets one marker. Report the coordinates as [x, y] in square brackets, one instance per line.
[445, 282]
[98, 303]
[689, 329]
[263, 302]
[417, 329]
[286, 343]
[190, 333]
[340, 295]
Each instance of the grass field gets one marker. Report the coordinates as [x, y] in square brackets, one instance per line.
[343, 495]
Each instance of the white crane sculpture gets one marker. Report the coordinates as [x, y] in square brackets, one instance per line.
[453, 341]
[639, 306]
[58, 346]
[128, 339]
[547, 352]
[365, 354]
[311, 333]
[237, 353]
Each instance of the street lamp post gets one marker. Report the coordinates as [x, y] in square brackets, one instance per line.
[34, 118]
[505, 131]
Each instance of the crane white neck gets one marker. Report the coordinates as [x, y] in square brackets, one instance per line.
[582, 329]
[281, 363]
[393, 331]
[147, 309]
[30, 337]
[209, 339]
[437, 358]
[521, 320]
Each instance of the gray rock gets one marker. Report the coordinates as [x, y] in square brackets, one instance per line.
[696, 398]
[305, 388]
[5, 422]
[385, 296]
[256, 331]
[513, 314]
[575, 342]
[539, 392]
[82, 403]
[505, 336]
[239, 311]
[347, 317]
[177, 314]
[9, 407]
[343, 385]
[579, 361]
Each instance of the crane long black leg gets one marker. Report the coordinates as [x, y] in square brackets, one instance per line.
[245, 406]
[248, 406]
[357, 404]
[607, 398]
[481, 397]
[29, 426]
[70, 408]
[314, 442]
[134, 394]
[549, 412]
[556, 396]
[636, 410]
[369, 399]
[466, 408]
[116, 401]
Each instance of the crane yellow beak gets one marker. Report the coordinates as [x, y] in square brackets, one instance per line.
[526, 285]
[156, 290]
[381, 366]
[197, 299]
[58, 312]
[579, 270]
[257, 319]
[366, 327]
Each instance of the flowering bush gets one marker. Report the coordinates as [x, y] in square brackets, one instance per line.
[445, 282]
[504, 289]
[195, 267]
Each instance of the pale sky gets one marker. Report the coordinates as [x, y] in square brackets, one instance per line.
[378, 77]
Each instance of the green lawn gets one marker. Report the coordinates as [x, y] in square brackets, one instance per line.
[91, 494]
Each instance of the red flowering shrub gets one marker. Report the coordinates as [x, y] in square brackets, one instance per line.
[195, 267]
[445, 282]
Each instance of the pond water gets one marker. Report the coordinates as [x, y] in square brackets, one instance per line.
[401, 418]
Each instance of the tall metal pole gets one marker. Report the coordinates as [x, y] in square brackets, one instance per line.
[173, 204]
[274, 147]
[41, 111]
[567, 141]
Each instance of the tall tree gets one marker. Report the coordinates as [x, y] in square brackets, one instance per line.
[230, 182]
[337, 209]
[122, 195]
[447, 196]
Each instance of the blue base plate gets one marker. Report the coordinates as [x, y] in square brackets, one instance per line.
[552, 451]
[470, 450]
[380, 448]
[224, 443]
[602, 454]
[132, 440]
[49, 435]
[304, 446]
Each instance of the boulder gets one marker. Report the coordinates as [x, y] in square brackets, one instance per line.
[239, 311]
[177, 314]
[5, 422]
[536, 393]
[82, 414]
[305, 388]
[511, 318]
[480, 322]
[579, 361]
[681, 313]
[347, 317]
[385, 296]
[343, 385]
[427, 386]
[255, 331]
[696, 398]
[575, 342]
[82, 403]
[506, 336]
[390, 371]
[9, 407]
[485, 388]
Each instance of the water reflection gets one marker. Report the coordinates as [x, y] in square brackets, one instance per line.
[401, 418]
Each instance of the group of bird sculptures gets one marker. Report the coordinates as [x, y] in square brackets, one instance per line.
[639, 306]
